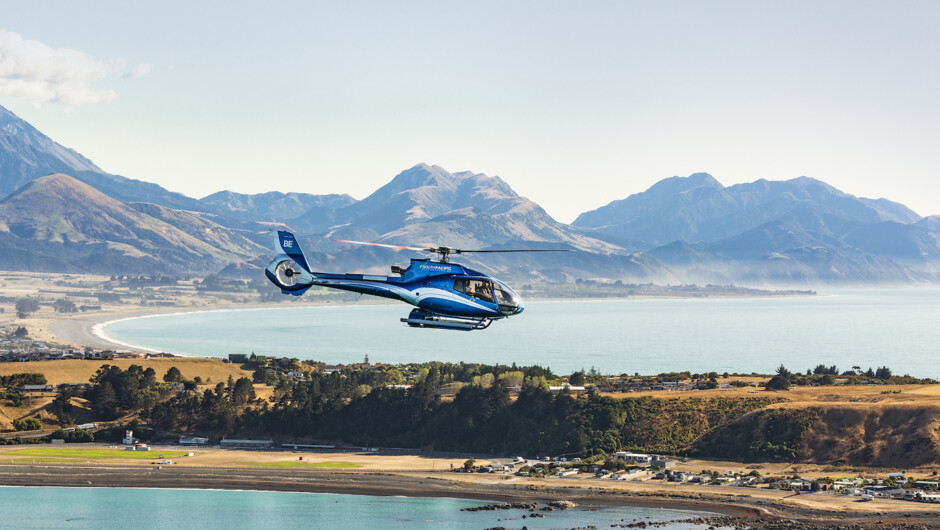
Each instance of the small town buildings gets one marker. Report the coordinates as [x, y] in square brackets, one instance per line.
[245, 444]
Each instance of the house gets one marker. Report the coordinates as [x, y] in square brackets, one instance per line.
[929, 497]
[37, 388]
[801, 484]
[840, 485]
[662, 463]
[569, 387]
[567, 472]
[876, 491]
[633, 457]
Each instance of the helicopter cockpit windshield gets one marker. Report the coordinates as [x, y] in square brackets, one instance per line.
[507, 299]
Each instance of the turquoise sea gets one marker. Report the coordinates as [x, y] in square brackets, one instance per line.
[119, 509]
[899, 328]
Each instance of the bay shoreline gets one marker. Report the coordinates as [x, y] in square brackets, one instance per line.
[420, 485]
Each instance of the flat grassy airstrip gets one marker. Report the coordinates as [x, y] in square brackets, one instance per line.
[92, 454]
[213, 457]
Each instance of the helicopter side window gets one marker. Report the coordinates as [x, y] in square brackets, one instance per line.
[475, 288]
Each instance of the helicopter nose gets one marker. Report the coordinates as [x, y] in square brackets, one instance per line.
[519, 309]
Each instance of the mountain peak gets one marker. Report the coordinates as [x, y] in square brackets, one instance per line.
[59, 186]
[678, 184]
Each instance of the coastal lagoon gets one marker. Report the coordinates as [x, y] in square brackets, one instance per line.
[113, 508]
[899, 328]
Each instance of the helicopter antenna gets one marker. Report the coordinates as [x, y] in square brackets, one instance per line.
[445, 252]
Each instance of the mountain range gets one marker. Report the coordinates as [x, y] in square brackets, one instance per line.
[61, 212]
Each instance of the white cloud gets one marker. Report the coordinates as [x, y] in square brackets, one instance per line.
[42, 74]
[140, 70]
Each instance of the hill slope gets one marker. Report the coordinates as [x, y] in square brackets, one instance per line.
[27, 154]
[98, 233]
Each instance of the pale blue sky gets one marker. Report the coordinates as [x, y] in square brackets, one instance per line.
[575, 104]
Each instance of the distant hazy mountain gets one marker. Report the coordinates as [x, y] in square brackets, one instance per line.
[699, 209]
[273, 206]
[26, 154]
[427, 205]
[680, 230]
[96, 233]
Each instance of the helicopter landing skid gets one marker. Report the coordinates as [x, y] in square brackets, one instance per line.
[420, 319]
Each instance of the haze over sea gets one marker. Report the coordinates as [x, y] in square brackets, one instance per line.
[897, 328]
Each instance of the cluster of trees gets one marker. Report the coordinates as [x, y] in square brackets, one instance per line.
[357, 407]
[485, 419]
[18, 380]
[62, 305]
[145, 281]
[221, 411]
[26, 306]
[826, 375]
[115, 392]
[27, 424]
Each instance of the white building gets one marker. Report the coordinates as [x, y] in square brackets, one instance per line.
[639, 458]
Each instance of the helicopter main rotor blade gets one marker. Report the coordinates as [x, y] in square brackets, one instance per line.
[400, 247]
[461, 251]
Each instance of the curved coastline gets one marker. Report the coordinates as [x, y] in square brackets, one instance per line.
[89, 330]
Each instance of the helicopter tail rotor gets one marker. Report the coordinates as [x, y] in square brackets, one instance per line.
[289, 270]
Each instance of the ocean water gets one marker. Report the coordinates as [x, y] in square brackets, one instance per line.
[119, 509]
[898, 328]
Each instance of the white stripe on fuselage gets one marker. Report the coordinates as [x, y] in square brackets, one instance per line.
[412, 297]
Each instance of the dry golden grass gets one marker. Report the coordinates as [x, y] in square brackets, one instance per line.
[80, 371]
[915, 394]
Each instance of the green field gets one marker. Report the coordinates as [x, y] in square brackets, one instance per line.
[90, 454]
[297, 463]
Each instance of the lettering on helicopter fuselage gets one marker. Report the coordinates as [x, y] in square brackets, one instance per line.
[438, 268]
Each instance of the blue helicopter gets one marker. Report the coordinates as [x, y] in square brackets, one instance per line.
[445, 295]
